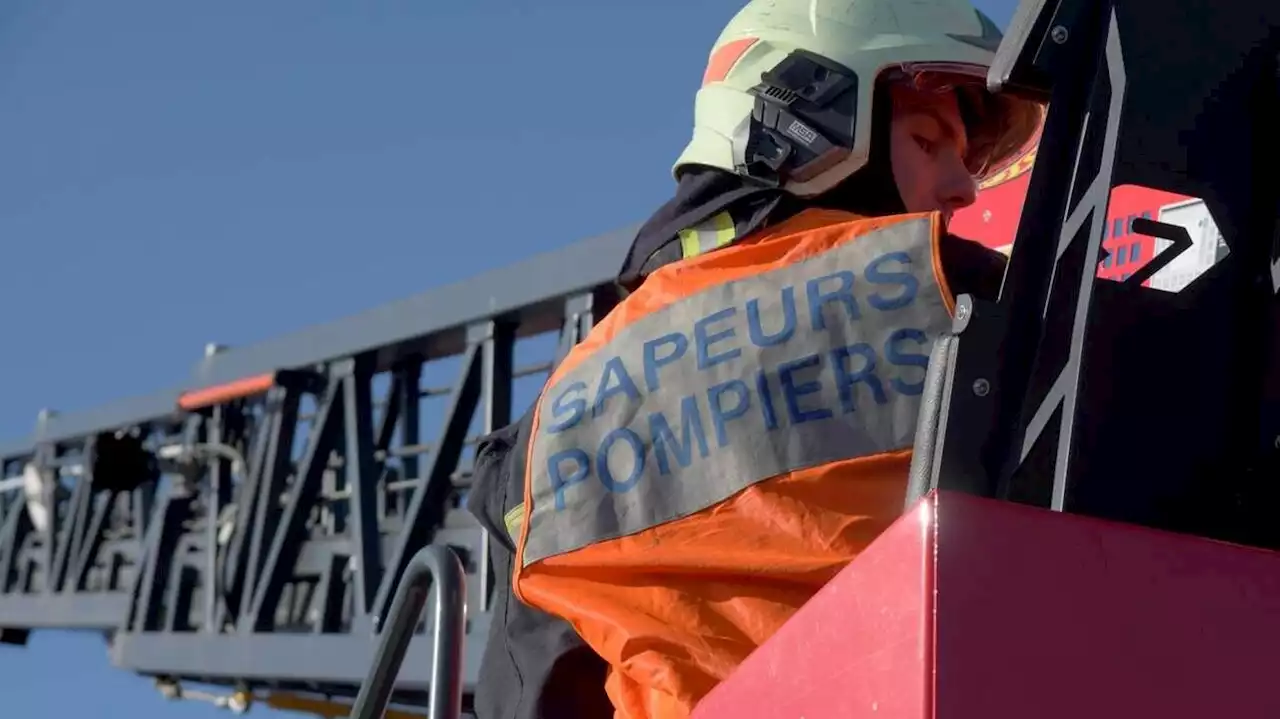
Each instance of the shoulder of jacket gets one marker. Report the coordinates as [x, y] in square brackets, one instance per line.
[818, 218]
[496, 445]
[973, 268]
[497, 477]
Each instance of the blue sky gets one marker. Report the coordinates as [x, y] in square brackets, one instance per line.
[173, 174]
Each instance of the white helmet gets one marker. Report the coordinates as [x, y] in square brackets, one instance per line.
[786, 98]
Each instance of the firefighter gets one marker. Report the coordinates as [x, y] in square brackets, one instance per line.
[740, 427]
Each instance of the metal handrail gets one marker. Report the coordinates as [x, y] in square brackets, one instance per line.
[432, 565]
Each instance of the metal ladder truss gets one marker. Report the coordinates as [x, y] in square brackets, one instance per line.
[249, 531]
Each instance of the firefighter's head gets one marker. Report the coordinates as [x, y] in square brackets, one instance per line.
[877, 106]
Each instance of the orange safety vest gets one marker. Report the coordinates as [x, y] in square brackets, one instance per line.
[724, 442]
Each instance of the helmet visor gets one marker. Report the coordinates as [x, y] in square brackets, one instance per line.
[1000, 128]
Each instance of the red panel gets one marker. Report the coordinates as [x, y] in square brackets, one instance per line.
[1057, 616]
[1038, 614]
[859, 648]
[993, 218]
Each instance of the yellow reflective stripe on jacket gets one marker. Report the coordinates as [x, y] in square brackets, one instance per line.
[708, 235]
[798, 366]
[513, 519]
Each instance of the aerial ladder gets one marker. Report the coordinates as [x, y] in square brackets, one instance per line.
[1090, 528]
[1101, 452]
[240, 539]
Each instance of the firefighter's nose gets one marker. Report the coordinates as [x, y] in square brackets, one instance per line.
[957, 188]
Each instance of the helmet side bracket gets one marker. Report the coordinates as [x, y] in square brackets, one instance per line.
[803, 120]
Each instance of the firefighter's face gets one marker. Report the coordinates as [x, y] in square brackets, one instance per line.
[928, 149]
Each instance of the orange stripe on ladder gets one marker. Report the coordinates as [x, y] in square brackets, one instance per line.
[237, 389]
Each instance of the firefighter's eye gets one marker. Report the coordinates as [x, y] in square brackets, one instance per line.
[929, 146]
